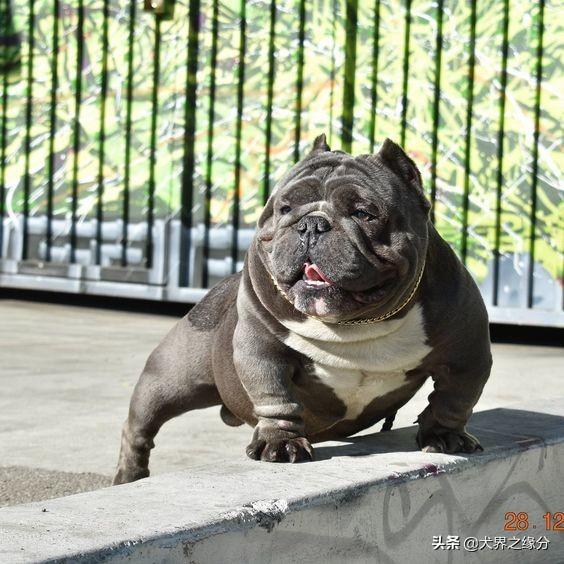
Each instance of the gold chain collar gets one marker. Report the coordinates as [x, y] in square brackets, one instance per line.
[369, 319]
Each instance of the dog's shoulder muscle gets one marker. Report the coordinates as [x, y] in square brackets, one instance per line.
[210, 311]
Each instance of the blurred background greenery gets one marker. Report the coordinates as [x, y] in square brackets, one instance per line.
[322, 103]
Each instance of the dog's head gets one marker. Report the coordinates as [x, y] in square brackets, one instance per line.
[343, 237]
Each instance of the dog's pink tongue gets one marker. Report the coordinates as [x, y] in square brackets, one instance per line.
[312, 272]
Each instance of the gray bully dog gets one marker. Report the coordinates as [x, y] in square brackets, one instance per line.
[349, 300]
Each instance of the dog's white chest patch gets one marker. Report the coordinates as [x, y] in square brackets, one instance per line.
[356, 388]
[361, 362]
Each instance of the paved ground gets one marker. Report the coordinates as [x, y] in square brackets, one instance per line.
[66, 374]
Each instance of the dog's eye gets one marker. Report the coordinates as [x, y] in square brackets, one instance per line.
[363, 215]
[285, 209]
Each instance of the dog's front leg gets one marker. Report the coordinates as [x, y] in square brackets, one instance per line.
[265, 369]
[442, 425]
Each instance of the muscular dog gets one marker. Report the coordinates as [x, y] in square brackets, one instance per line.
[348, 301]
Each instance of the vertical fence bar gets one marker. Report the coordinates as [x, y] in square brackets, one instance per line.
[350, 71]
[187, 194]
[332, 72]
[8, 63]
[238, 131]
[374, 88]
[500, 138]
[209, 154]
[153, 144]
[299, 80]
[4, 133]
[76, 140]
[52, 129]
[468, 136]
[269, 101]
[102, 130]
[128, 125]
[28, 119]
[5, 21]
[436, 106]
[405, 77]
[535, 164]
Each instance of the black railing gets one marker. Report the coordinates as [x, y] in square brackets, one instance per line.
[197, 116]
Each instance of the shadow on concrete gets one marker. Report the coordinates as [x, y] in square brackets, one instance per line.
[497, 429]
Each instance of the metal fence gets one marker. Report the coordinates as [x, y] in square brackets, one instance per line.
[139, 142]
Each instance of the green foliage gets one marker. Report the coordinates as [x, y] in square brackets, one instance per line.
[322, 102]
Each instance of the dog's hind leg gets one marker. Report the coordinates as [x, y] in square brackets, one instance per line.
[177, 378]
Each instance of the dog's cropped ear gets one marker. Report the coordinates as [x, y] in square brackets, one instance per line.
[319, 145]
[395, 158]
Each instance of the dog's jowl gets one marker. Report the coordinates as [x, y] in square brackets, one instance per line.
[349, 300]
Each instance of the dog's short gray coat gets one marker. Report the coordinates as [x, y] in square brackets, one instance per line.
[341, 239]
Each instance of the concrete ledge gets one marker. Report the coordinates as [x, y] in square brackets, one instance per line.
[370, 499]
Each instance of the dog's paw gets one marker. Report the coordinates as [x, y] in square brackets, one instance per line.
[281, 450]
[447, 441]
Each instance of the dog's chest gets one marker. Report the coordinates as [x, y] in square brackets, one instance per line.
[362, 362]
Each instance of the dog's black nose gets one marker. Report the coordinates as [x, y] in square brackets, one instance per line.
[313, 224]
[310, 228]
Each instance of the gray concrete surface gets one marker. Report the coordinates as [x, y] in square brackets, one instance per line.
[19, 484]
[66, 375]
[374, 500]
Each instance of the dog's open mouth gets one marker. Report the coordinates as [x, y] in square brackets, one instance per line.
[314, 276]
[314, 293]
